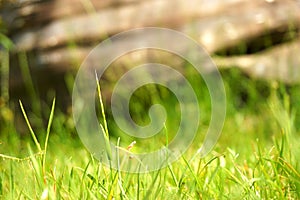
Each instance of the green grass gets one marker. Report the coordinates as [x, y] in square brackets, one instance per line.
[255, 158]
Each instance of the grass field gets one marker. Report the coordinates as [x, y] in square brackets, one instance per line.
[256, 156]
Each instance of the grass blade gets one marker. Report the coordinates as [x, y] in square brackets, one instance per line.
[47, 134]
[30, 128]
[104, 129]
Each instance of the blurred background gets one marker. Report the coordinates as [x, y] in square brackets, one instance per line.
[255, 44]
[256, 47]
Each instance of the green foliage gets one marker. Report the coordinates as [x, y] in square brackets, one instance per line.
[255, 158]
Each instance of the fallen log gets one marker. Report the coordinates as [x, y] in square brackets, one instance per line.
[280, 63]
[214, 33]
[99, 25]
[230, 29]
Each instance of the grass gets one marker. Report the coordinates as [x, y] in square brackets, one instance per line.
[255, 158]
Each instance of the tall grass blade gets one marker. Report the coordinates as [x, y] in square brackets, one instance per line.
[104, 129]
[102, 106]
[30, 129]
[47, 135]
